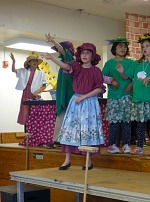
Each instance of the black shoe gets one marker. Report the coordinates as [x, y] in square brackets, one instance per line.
[65, 167]
[89, 168]
[57, 144]
[49, 146]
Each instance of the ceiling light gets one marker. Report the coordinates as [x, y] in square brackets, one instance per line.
[29, 44]
[114, 2]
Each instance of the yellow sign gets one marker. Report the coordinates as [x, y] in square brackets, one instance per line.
[45, 67]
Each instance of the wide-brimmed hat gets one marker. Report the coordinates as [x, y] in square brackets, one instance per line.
[65, 44]
[88, 46]
[118, 40]
[32, 57]
[143, 38]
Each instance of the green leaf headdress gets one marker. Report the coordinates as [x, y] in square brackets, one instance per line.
[143, 38]
[118, 39]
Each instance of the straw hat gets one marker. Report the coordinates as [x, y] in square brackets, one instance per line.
[32, 57]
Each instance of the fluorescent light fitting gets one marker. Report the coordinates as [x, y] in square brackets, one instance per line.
[29, 44]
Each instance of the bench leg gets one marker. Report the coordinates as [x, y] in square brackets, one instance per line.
[20, 192]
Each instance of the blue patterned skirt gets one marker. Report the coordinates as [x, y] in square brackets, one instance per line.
[82, 124]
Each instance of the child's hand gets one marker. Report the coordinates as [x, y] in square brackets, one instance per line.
[47, 56]
[79, 99]
[35, 93]
[12, 57]
[145, 81]
[119, 68]
[115, 84]
[140, 79]
[148, 58]
[49, 38]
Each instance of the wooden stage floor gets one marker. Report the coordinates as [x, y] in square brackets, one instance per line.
[109, 183]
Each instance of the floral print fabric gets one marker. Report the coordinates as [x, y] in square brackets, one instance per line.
[140, 111]
[41, 122]
[118, 110]
[82, 123]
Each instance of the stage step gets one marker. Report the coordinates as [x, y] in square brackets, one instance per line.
[13, 158]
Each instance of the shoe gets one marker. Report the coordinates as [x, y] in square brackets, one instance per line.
[138, 151]
[89, 168]
[57, 144]
[113, 149]
[65, 167]
[49, 146]
[126, 149]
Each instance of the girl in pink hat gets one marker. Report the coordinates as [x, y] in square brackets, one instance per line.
[64, 90]
[82, 124]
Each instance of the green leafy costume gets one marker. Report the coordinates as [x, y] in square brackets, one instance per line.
[64, 90]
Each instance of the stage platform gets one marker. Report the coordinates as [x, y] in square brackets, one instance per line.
[40, 157]
[108, 183]
[13, 158]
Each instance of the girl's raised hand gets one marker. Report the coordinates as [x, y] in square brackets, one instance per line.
[12, 57]
[48, 38]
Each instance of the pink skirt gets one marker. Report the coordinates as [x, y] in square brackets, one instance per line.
[75, 150]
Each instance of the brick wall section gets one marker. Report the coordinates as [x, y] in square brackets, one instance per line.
[136, 25]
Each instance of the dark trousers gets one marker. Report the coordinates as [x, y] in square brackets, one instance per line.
[140, 131]
[114, 132]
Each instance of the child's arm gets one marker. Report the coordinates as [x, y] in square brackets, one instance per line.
[13, 63]
[120, 69]
[39, 90]
[49, 56]
[107, 79]
[110, 80]
[90, 94]
[129, 87]
[58, 46]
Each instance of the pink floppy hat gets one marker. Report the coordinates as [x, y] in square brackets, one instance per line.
[91, 47]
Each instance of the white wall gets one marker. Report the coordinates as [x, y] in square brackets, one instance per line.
[67, 24]
[40, 19]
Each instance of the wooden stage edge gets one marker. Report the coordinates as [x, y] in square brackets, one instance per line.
[14, 157]
[107, 168]
[115, 184]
